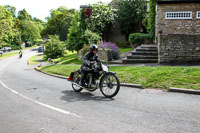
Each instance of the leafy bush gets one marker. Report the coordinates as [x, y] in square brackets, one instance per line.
[85, 49]
[139, 38]
[123, 44]
[14, 47]
[77, 37]
[115, 49]
[91, 37]
[54, 47]
[109, 45]
[37, 42]
[102, 17]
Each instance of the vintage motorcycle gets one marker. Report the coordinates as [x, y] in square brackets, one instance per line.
[101, 78]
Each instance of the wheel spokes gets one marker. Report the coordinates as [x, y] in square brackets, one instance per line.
[108, 85]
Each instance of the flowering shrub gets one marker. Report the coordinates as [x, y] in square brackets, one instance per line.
[115, 49]
[109, 45]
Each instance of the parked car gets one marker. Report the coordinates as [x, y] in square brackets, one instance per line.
[6, 49]
[9, 49]
[40, 49]
[1, 52]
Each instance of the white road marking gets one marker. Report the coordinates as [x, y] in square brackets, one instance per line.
[42, 104]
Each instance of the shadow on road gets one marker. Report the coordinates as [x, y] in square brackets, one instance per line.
[72, 96]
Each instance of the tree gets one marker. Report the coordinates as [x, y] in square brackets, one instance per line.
[11, 9]
[54, 47]
[130, 14]
[23, 15]
[6, 25]
[74, 37]
[59, 22]
[40, 24]
[29, 31]
[102, 17]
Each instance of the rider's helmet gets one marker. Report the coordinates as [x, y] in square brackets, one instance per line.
[92, 47]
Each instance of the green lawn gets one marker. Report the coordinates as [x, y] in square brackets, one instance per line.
[63, 70]
[68, 58]
[5, 55]
[33, 60]
[123, 50]
[148, 77]
[160, 77]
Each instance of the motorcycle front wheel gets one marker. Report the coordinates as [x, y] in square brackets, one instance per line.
[76, 81]
[110, 85]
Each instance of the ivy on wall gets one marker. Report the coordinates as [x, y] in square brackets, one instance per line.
[152, 17]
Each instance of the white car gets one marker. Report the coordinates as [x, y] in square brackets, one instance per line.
[6, 49]
[1, 52]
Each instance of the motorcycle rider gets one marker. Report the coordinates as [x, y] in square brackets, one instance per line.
[20, 53]
[86, 66]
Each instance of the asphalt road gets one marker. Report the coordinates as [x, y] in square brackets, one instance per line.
[32, 102]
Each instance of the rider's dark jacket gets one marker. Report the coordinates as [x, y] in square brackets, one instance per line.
[89, 56]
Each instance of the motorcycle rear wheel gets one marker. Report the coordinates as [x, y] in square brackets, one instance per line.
[110, 85]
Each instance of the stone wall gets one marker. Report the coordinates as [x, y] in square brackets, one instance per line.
[178, 40]
[114, 34]
[179, 49]
[180, 26]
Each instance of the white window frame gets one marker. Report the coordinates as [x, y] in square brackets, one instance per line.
[178, 15]
[198, 15]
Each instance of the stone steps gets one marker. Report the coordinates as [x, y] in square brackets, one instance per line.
[146, 49]
[143, 54]
[148, 46]
[141, 57]
[132, 61]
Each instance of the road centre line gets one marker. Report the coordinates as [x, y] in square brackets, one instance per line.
[39, 103]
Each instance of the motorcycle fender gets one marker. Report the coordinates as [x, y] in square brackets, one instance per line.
[71, 77]
[111, 72]
[105, 75]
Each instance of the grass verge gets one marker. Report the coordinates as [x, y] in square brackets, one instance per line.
[63, 70]
[148, 77]
[68, 58]
[34, 46]
[5, 55]
[33, 60]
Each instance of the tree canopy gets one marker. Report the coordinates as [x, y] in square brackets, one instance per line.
[102, 17]
[59, 22]
[11, 9]
[130, 14]
[24, 15]
[6, 25]
[29, 31]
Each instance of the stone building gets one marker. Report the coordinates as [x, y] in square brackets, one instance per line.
[178, 31]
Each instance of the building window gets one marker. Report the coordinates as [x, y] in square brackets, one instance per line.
[178, 15]
[198, 14]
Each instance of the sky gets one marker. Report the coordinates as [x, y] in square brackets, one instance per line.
[41, 8]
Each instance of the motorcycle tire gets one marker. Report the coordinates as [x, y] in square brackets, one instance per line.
[110, 85]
